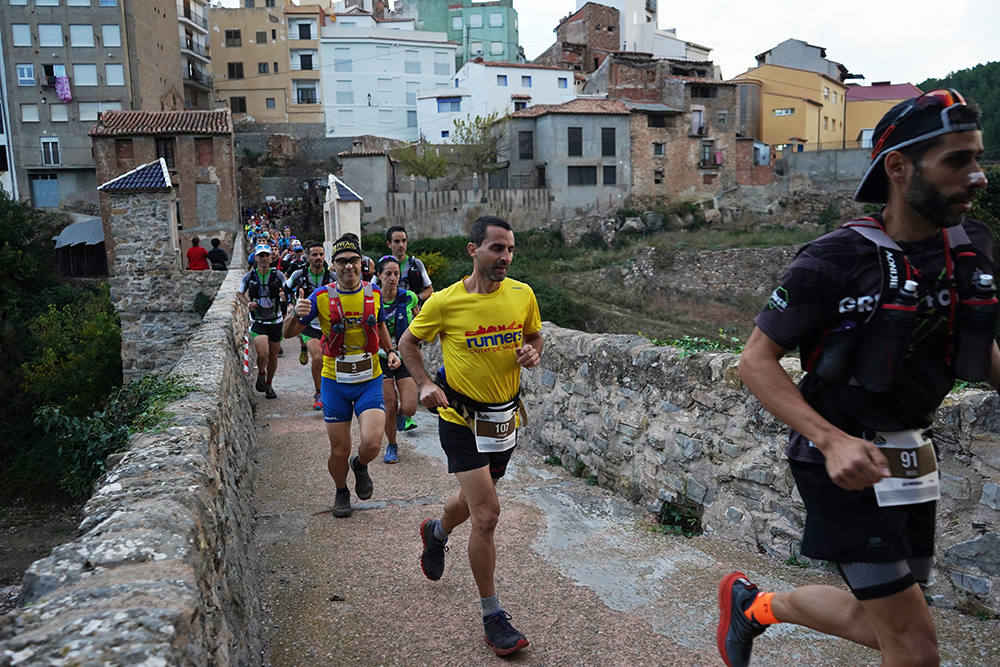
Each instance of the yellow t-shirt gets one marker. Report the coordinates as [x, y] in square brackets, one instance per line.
[479, 333]
[353, 304]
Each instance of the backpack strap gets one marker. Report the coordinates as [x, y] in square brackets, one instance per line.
[895, 267]
[333, 342]
[370, 320]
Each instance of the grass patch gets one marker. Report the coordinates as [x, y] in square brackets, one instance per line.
[682, 518]
[795, 562]
[579, 468]
[689, 345]
[553, 460]
[592, 480]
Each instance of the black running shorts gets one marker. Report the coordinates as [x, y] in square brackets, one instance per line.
[849, 527]
[398, 374]
[271, 330]
[459, 445]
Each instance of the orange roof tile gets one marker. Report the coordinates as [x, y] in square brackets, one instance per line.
[131, 123]
[580, 105]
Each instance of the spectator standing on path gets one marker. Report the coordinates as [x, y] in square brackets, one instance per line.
[490, 328]
[197, 256]
[398, 387]
[413, 273]
[217, 257]
[300, 285]
[859, 450]
[351, 318]
[261, 291]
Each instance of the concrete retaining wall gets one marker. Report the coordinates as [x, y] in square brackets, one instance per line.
[829, 170]
[164, 570]
[656, 426]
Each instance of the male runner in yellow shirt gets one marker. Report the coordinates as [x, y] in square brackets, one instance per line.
[489, 328]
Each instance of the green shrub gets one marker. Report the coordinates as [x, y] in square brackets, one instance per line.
[81, 445]
[435, 263]
[829, 217]
[78, 356]
[202, 302]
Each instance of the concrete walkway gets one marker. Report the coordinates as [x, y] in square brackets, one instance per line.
[584, 575]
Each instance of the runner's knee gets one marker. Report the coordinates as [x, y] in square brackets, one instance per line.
[485, 517]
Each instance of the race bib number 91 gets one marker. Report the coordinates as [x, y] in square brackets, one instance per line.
[913, 468]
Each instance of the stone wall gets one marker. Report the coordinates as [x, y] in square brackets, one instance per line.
[164, 569]
[450, 212]
[657, 426]
[153, 295]
[829, 170]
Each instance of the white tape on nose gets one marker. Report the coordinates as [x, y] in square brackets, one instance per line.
[977, 177]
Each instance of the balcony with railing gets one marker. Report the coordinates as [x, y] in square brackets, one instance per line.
[195, 48]
[197, 77]
[196, 19]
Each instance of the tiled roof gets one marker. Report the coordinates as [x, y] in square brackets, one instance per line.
[132, 123]
[360, 153]
[699, 80]
[651, 106]
[151, 177]
[521, 65]
[885, 91]
[520, 96]
[344, 193]
[580, 105]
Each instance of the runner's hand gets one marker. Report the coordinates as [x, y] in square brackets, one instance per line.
[302, 305]
[855, 464]
[252, 306]
[527, 356]
[432, 396]
[393, 360]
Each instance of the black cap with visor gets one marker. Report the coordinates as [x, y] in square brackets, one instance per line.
[911, 122]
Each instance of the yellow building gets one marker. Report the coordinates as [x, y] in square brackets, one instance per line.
[798, 108]
[867, 104]
[265, 62]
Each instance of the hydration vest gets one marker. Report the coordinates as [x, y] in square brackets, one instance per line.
[415, 276]
[398, 313]
[961, 262]
[333, 342]
[273, 287]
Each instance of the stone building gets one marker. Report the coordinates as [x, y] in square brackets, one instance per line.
[65, 63]
[153, 295]
[197, 148]
[584, 39]
[341, 212]
[684, 139]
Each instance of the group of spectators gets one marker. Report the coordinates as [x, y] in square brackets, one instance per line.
[200, 259]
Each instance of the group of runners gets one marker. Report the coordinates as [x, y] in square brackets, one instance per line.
[859, 450]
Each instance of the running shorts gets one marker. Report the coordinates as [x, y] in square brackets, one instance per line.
[398, 374]
[849, 527]
[459, 445]
[270, 329]
[310, 332]
[339, 400]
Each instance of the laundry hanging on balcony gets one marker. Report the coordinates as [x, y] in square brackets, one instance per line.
[62, 89]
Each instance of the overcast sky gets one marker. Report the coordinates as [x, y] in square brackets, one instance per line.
[906, 41]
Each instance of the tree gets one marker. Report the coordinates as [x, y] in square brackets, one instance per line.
[422, 159]
[979, 84]
[480, 144]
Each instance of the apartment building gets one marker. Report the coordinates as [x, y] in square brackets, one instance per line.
[481, 88]
[196, 61]
[266, 62]
[867, 104]
[374, 70]
[486, 30]
[66, 61]
[638, 30]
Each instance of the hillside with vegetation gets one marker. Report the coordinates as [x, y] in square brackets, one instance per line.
[979, 84]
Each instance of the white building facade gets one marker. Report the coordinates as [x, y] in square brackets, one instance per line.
[373, 71]
[481, 88]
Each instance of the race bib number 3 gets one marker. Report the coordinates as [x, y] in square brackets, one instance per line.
[355, 368]
[496, 431]
[913, 466]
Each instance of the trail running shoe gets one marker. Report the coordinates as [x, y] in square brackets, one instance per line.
[342, 503]
[432, 558]
[317, 401]
[362, 480]
[501, 635]
[391, 453]
[736, 632]
[409, 424]
[269, 392]
[281, 351]
[261, 383]
[303, 355]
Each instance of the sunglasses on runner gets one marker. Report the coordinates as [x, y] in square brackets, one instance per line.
[946, 99]
[344, 261]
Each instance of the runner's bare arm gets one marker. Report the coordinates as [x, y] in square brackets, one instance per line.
[251, 305]
[431, 395]
[852, 463]
[425, 294]
[293, 327]
[392, 357]
[529, 354]
[995, 367]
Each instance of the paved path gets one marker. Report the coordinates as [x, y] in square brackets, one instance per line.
[582, 573]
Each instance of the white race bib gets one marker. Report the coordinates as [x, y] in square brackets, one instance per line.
[355, 368]
[496, 431]
[913, 465]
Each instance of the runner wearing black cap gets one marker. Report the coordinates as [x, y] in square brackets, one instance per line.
[860, 453]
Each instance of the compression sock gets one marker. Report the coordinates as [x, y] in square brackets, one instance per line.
[491, 605]
[440, 534]
[760, 610]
